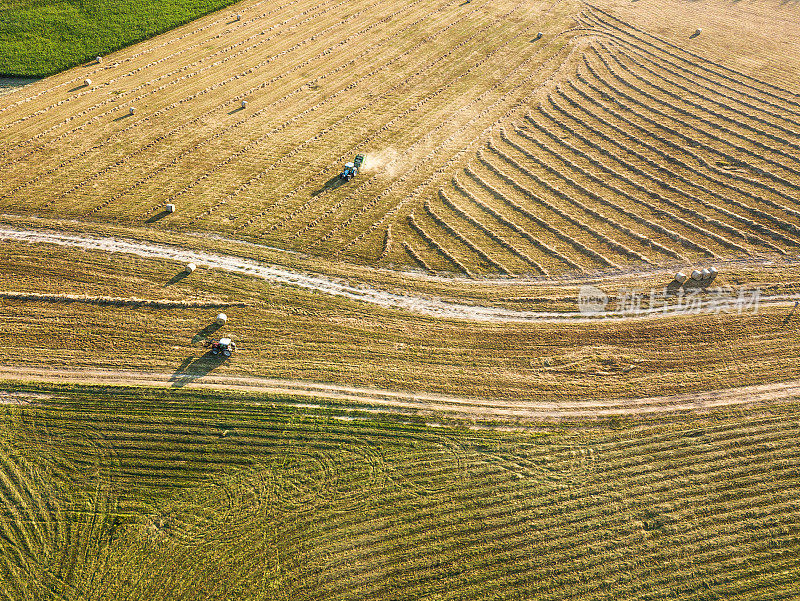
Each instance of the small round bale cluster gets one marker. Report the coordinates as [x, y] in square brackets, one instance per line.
[702, 276]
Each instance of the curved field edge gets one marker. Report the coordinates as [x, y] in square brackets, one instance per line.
[40, 39]
[119, 493]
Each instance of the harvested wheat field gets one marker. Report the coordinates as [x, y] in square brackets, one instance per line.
[489, 150]
[471, 371]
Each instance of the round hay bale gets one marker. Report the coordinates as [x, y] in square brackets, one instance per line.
[190, 267]
[131, 111]
[698, 31]
[87, 82]
[706, 274]
[170, 208]
[244, 104]
[681, 277]
[222, 319]
[238, 17]
[697, 275]
[713, 271]
[99, 59]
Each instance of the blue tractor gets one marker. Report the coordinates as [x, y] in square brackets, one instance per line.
[351, 169]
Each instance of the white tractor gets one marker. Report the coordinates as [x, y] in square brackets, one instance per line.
[223, 347]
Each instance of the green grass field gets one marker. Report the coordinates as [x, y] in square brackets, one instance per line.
[38, 38]
[125, 493]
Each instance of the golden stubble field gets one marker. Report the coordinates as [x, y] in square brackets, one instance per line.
[291, 333]
[504, 171]
[616, 139]
[606, 146]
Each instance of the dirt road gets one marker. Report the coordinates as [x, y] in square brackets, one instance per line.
[417, 404]
[361, 292]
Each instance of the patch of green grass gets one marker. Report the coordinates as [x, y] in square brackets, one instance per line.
[41, 37]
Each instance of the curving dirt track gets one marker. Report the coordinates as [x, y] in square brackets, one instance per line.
[435, 307]
[420, 404]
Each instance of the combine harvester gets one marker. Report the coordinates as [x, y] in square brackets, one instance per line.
[351, 169]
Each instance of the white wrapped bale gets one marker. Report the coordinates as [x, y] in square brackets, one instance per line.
[698, 31]
[244, 104]
[681, 277]
[697, 275]
[706, 274]
[131, 111]
[222, 319]
[170, 208]
[238, 17]
[190, 267]
[87, 82]
[99, 59]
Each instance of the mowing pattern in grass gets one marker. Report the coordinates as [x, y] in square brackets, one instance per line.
[123, 495]
[40, 38]
[645, 154]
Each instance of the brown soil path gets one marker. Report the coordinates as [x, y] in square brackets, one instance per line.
[421, 404]
[361, 292]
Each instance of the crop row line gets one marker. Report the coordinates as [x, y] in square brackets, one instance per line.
[683, 73]
[620, 248]
[206, 90]
[435, 245]
[161, 137]
[181, 69]
[663, 125]
[149, 48]
[261, 111]
[563, 236]
[689, 115]
[489, 233]
[642, 239]
[667, 186]
[672, 158]
[705, 109]
[700, 62]
[441, 222]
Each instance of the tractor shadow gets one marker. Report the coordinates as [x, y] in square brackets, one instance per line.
[193, 368]
[236, 110]
[331, 184]
[121, 117]
[206, 332]
[788, 318]
[158, 216]
[177, 278]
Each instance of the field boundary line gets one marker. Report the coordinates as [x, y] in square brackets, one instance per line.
[383, 401]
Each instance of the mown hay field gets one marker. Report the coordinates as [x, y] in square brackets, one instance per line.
[291, 333]
[124, 493]
[490, 150]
